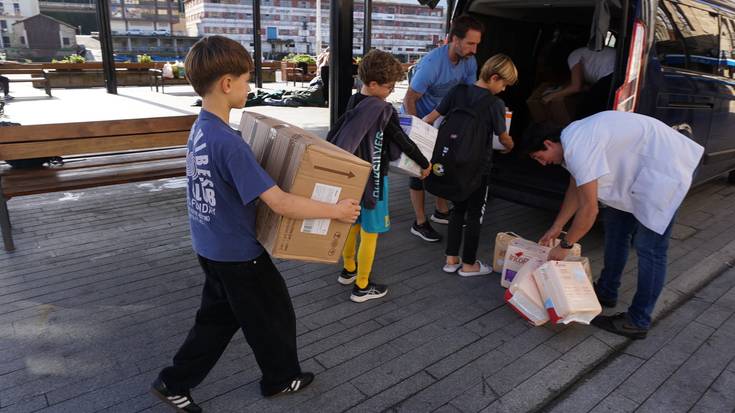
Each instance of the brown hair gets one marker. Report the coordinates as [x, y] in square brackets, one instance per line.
[500, 65]
[464, 23]
[213, 57]
[381, 67]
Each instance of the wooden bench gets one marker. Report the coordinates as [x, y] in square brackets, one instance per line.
[35, 75]
[95, 154]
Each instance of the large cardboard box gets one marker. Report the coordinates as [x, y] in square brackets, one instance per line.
[424, 136]
[559, 111]
[303, 164]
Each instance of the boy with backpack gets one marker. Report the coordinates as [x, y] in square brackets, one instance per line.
[370, 129]
[242, 288]
[463, 155]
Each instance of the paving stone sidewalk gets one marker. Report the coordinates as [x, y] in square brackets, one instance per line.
[104, 286]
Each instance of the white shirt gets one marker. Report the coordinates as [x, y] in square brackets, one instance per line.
[641, 165]
[596, 64]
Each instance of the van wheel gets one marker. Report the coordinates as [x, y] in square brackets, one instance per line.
[731, 177]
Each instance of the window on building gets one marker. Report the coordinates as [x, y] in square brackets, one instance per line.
[16, 8]
[271, 33]
[6, 41]
[22, 40]
[2, 7]
[3, 24]
[65, 41]
[699, 31]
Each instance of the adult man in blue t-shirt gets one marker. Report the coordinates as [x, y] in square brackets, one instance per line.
[437, 73]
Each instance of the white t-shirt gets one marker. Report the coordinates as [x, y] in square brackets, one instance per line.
[596, 64]
[641, 165]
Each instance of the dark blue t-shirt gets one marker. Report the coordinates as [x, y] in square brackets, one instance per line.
[224, 183]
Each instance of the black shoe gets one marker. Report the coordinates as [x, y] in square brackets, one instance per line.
[620, 325]
[441, 217]
[425, 232]
[604, 301]
[182, 402]
[347, 277]
[370, 292]
[8, 97]
[298, 383]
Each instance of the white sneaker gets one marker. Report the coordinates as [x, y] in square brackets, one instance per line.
[452, 268]
[484, 270]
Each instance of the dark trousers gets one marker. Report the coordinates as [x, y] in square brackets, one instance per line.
[622, 228]
[470, 212]
[251, 296]
[5, 85]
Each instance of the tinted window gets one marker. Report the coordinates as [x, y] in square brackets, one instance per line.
[668, 43]
[700, 32]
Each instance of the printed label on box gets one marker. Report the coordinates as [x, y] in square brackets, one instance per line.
[323, 193]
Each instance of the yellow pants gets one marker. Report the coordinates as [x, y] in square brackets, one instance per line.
[365, 254]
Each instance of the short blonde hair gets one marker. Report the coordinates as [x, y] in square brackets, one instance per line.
[502, 66]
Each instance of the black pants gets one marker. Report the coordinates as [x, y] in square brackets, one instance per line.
[251, 296]
[5, 85]
[470, 212]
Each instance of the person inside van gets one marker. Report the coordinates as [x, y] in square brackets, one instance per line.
[591, 71]
[641, 170]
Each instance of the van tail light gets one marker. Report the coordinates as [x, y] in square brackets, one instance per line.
[626, 97]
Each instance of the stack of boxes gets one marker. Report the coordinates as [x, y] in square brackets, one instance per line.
[302, 164]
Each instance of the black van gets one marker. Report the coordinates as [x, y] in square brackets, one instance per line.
[675, 61]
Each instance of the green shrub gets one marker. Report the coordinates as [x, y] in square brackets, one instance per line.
[144, 58]
[299, 58]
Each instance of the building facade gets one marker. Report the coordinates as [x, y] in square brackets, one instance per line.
[42, 37]
[146, 17]
[11, 12]
[289, 26]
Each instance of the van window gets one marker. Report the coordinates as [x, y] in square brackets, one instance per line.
[668, 43]
[700, 32]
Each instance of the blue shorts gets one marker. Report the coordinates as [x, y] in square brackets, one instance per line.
[376, 220]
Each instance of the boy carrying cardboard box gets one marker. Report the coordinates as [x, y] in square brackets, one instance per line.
[243, 290]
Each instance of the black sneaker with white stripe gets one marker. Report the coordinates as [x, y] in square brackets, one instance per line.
[347, 277]
[298, 383]
[182, 403]
[370, 292]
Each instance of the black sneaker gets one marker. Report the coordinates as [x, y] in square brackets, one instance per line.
[605, 302]
[347, 277]
[8, 97]
[298, 383]
[441, 217]
[183, 402]
[620, 325]
[425, 232]
[370, 292]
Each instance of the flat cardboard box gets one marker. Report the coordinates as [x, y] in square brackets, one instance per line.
[567, 292]
[424, 136]
[303, 164]
[523, 295]
[559, 111]
[496, 139]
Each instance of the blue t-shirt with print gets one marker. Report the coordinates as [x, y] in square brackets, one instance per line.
[224, 183]
[436, 75]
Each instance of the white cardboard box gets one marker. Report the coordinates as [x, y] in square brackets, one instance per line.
[496, 139]
[423, 135]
